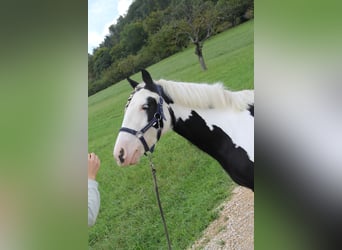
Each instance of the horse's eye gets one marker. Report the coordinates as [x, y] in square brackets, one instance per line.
[145, 107]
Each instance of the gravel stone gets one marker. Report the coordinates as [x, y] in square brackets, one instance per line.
[234, 228]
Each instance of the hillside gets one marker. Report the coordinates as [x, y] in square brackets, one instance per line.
[156, 29]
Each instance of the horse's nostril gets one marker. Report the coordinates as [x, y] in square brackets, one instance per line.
[121, 155]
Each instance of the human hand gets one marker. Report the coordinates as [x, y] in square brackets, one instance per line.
[93, 165]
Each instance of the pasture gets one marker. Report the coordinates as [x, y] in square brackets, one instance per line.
[191, 184]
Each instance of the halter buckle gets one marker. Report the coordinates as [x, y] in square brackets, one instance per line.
[139, 134]
[157, 116]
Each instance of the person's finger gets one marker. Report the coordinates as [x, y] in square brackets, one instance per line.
[92, 155]
[97, 160]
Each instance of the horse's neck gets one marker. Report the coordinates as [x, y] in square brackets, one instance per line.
[227, 136]
[201, 127]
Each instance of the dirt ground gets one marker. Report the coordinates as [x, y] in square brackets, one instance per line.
[234, 229]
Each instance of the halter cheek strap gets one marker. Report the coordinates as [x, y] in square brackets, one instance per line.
[157, 120]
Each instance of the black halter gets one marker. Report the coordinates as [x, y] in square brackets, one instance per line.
[155, 122]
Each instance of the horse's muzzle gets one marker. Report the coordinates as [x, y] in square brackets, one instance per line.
[121, 155]
[126, 155]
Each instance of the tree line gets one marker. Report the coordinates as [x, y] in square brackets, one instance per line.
[155, 29]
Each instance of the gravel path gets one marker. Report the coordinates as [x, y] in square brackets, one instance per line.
[234, 229]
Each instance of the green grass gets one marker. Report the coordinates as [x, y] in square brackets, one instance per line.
[191, 184]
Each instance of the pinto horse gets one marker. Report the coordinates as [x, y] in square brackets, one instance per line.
[218, 121]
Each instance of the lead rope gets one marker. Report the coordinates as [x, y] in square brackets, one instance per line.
[153, 170]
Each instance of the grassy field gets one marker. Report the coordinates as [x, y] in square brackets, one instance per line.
[191, 184]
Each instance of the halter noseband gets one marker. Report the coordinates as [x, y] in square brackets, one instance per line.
[157, 118]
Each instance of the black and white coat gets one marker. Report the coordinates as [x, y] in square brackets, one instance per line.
[218, 121]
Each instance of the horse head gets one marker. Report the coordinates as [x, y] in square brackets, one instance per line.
[144, 121]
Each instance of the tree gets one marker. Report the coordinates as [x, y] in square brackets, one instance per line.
[232, 10]
[133, 37]
[196, 19]
[91, 73]
[101, 60]
[163, 43]
[126, 66]
[154, 22]
[118, 52]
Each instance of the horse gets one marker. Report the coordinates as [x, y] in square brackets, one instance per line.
[218, 121]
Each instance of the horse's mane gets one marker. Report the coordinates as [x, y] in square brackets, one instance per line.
[206, 96]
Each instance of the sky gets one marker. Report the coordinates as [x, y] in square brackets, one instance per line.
[102, 14]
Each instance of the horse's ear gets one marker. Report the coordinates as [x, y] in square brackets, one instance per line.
[147, 77]
[132, 82]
